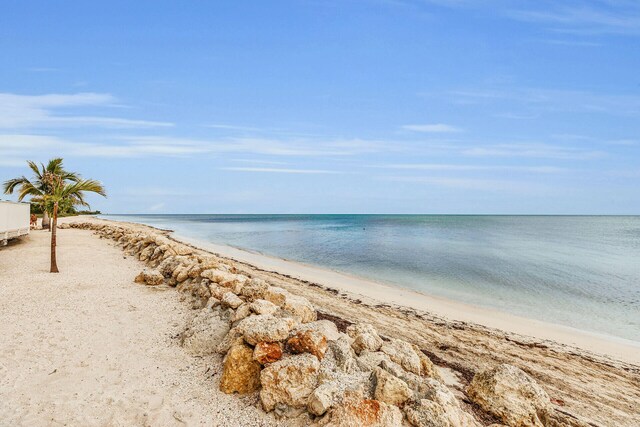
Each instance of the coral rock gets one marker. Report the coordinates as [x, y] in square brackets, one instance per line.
[365, 337]
[267, 352]
[241, 374]
[310, 341]
[510, 394]
[265, 327]
[289, 381]
[390, 389]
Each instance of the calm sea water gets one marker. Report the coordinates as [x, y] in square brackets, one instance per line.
[578, 271]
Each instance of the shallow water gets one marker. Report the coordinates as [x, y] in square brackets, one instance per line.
[579, 271]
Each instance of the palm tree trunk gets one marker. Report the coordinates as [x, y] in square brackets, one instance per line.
[45, 220]
[54, 264]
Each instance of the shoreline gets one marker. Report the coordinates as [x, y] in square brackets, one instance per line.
[602, 345]
[458, 349]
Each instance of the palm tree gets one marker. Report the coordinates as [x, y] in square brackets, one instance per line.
[37, 188]
[54, 187]
[70, 194]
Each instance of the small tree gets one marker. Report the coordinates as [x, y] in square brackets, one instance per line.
[54, 188]
[37, 187]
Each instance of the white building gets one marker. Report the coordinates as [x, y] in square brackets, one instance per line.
[14, 220]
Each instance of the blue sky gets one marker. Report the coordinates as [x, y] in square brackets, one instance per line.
[350, 106]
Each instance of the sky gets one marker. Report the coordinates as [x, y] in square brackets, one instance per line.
[329, 106]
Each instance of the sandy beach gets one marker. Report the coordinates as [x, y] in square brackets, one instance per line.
[88, 346]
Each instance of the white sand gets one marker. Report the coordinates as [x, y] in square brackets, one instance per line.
[88, 347]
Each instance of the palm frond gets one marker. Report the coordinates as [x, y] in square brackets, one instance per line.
[11, 184]
[28, 189]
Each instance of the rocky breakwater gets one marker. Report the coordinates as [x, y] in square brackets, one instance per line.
[273, 345]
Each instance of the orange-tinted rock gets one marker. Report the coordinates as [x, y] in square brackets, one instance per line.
[241, 374]
[267, 352]
[308, 341]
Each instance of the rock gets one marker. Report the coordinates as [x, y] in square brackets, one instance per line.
[309, 341]
[289, 381]
[233, 337]
[390, 389]
[261, 306]
[204, 332]
[241, 374]
[300, 307]
[402, 353]
[150, 277]
[440, 409]
[267, 352]
[242, 312]
[229, 299]
[254, 289]
[511, 395]
[365, 337]
[322, 398]
[265, 327]
[426, 413]
[275, 295]
[343, 353]
[427, 368]
[368, 360]
[324, 327]
[355, 411]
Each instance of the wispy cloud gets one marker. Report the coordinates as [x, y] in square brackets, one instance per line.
[282, 170]
[42, 111]
[466, 183]
[533, 150]
[432, 128]
[474, 168]
[600, 17]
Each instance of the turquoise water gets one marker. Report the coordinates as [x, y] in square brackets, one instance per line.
[579, 271]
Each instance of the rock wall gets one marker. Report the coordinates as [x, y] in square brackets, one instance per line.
[274, 345]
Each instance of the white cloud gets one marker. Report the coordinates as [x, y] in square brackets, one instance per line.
[474, 168]
[467, 183]
[532, 150]
[432, 128]
[281, 170]
[40, 111]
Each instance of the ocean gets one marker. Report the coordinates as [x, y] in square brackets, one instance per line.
[578, 271]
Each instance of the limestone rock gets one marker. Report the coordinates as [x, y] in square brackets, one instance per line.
[309, 341]
[402, 353]
[390, 389]
[265, 327]
[324, 327]
[343, 354]
[233, 337]
[322, 398]
[510, 394]
[150, 277]
[241, 374]
[300, 307]
[435, 391]
[427, 368]
[426, 413]
[365, 337]
[242, 312]
[261, 306]
[229, 299]
[289, 381]
[355, 411]
[267, 352]
[204, 332]
[276, 295]
[254, 289]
